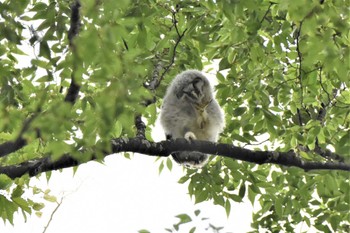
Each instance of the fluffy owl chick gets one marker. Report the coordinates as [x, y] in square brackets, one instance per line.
[190, 111]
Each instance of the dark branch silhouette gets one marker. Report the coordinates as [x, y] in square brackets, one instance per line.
[74, 87]
[141, 127]
[74, 22]
[12, 146]
[165, 148]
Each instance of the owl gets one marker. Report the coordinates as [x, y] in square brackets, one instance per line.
[191, 111]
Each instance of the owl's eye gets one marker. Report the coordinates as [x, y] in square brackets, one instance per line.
[198, 85]
[197, 80]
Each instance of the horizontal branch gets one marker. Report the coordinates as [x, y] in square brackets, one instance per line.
[12, 146]
[164, 148]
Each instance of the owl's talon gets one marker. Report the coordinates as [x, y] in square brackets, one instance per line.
[189, 136]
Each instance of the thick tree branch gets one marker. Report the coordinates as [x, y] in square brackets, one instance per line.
[74, 22]
[73, 91]
[74, 88]
[164, 148]
[12, 146]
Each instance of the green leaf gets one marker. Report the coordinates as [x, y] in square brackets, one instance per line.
[235, 197]
[239, 111]
[184, 218]
[57, 149]
[251, 195]
[117, 130]
[335, 222]
[200, 196]
[45, 50]
[278, 207]
[50, 198]
[169, 164]
[5, 181]
[161, 167]
[144, 231]
[38, 206]
[219, 200]
[183, 179]
[242, 190]
[220, 77]
[197, 212]
[23, 204]
[17, 192]
[7, 209]
[227, 207]
[305, 155]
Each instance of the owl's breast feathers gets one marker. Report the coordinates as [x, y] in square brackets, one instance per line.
[202, 115]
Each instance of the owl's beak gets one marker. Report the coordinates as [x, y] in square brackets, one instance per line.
[190, 91]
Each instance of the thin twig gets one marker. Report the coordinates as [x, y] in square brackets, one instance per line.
[255, 144]
[53, 213]
[156, 81]
[300, 119]
[323, 88]
[300, 70]
[267, 11]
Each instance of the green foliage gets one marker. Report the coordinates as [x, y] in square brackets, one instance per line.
[283, 76]
[186, 220]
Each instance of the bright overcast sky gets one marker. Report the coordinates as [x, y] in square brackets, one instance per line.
[124, 196]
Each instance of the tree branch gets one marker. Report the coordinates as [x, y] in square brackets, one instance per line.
[155, 82]
[165, 148]
[327, 154]
[140, 127]
[267, 11]
[12, 146]
[74, 22]
[59, 203]
[74, 87]
[300, 72]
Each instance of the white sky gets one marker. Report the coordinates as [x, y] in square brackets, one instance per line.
[124, 196]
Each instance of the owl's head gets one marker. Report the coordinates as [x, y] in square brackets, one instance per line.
[193, 86]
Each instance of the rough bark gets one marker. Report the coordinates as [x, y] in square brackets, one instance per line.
[164, 148]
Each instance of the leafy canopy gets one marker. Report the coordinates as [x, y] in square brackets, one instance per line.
[283, 77]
